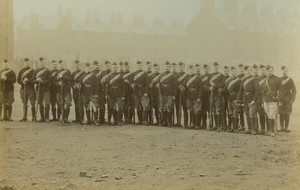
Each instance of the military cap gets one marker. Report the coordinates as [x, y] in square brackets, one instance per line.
[155, 65]
[233, 68]
[216, 64]
[181, 64]
[87, 64]
[53, 61]
[41, 59]
[205, 66]
[76, 61]
[138, 62]
[241, 65]
[255, 66]
[121, 63]
[262, 66]
[246, 67]
[225, 67]
[60, 61]
[269, 67]
[126, 63]
[107, 62]
[167, 63]
[283, 67]
[26, 59]
[114, 63]
[197, 65]
[174, 64]
[148, 63]
[96, 62]
[5, 61]
[191, 66]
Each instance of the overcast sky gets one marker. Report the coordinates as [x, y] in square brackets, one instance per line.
[183, 10]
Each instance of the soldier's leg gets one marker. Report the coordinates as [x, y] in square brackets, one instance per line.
[288, 111]
[248, 119]
[47, 105]
[53, 102]
[281, 110]
[24, 99]
[253, 117]
[67, 101]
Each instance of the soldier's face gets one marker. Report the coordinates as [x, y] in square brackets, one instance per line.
[54, 65]
[285, 72]
[88, 69]
[270, 72]
[5, 65]
[167, 67]
[263, 71]
[139, 66]
[62, 65]
[249, 71]
[241, 70]
[77, 66]
[181, 68]
[206, 70]
[127, 68]
[156, 69]
[115, 68]
[26, 63]
[226, 72]
[233, 72]
[198, 69]
[255, 71]
[215, 68]
[108, 66]
[174, 68]
[121, 68]
[42, 64]
[149, 67]
[191, 70]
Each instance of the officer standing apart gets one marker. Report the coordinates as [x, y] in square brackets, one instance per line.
[27, 89]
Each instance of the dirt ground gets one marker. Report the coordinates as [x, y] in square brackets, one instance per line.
[51, 156]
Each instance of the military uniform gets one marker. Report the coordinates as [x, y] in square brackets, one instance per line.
[103, 97]
[193, 93]
[64, 98]
[7, 93]
[56, 112]
[226, 119]
[217, 81]
[27, 91]
[116, 92]
[260, 107]
[89, 93]
[287, 96]
[180, 98]
[96, 112]
[140, 85]
[76, 86]
[232, 87]
[242, 119]
[205, 102]
[249, 94]
[154, 97]
[43, 91]
[128, 103]
[168, 89]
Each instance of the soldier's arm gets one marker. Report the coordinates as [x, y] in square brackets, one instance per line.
[200, 90]
[147, 83]
[122, 85]
[175, 85]
[294, 91]
[256, 93]
[19, 80]
[67, 77]
[241, 91]
[12, 77]
[97, 86]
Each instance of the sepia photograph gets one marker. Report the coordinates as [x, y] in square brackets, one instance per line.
[149, 94]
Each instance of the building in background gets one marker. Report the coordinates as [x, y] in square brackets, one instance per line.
[6, 30]
[226, 34]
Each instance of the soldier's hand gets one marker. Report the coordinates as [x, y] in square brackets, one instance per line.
[198, 100]
[3, 77]
[252, 102]
[59, 76]
[25, 80]
[145, 95]
[182, 89]
[211, 88]
[174, 98]
[126, 81]
[38, 80]
[157, 85]
[212, 84]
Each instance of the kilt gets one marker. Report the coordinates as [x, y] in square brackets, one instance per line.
[190, 104]
[166, 103]
[271, 109]
[87, 100]
[29, 95]
[217, 104]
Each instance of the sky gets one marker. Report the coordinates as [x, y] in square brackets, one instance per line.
[168, 10]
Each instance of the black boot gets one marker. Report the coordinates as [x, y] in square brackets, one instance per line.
[25, 108]
[140, 117]
[186, 119]
[47, 110]
[192, 122]
[96, 114]
[59, 113]
[76, 114]
[42, 114]
[119, 117]
[271, 125]
[145, 115]
[204, 120]
[262, 121]
[235, 124]
[66, 115]
[170, 117]
[254, 125]
[109, 115]
[287, 122]
[156, 117]
[53, 111]
[249, 125]
[33, 113]
[5, 113]
[281, 119]
[88, 117]
[81, 114]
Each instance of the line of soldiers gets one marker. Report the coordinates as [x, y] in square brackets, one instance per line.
[174, 97]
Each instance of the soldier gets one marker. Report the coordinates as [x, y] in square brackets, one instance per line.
[167, 84]
[180, 99]
[7, 80]
[260, 107]
[255, 71]
[128, 104]
[148, 68]
[198, 69]
[95, 112]
[101, 93]
[27, 89]
[76, 87]
[121, 68]
[270, 92]
[216, 83]
[225, 100]
[139, 81]
[150, 73]
[56, 112]
[206, 93]
[287, 95]
[248, 94]
[193, 89]
[89, 92]
[154, 95]
[42, 78]
[232, 87]
[64, 99]
[242, 77]
[116, 91]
